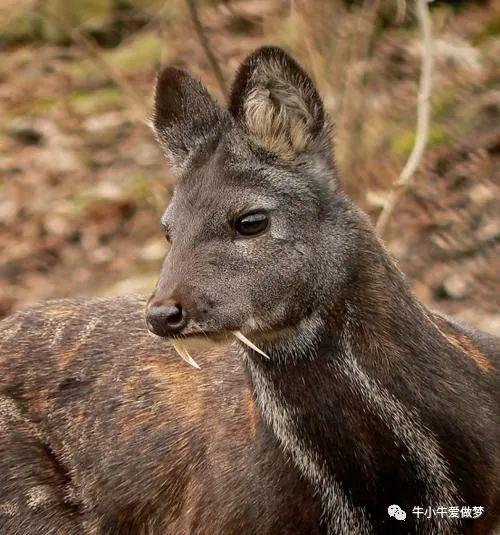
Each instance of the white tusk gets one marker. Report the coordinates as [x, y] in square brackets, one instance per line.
[183, 353]
[247, 342]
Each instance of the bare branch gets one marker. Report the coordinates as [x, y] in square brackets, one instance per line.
[400, 11]
[405, 180]
[353, 99]
[205, 43]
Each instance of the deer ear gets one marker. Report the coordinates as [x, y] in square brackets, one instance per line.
[279, 106]
[185, 116]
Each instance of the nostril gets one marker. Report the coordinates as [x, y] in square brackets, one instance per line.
[165, 320]
[174, 315]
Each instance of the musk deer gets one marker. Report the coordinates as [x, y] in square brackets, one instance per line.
[354, 398]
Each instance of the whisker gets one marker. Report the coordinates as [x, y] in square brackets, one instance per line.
[201, 330]
[246, 341]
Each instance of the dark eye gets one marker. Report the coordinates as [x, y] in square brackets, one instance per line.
[166, 231]
[252, 224]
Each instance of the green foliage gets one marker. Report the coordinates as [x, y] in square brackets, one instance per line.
[443, 104]
[402, 145]
[491, 29]
[20, 26]
[39, 105]
[84, 14]
[97, 100]
[139, 55]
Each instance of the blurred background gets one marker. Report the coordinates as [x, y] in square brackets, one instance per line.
[83, 184]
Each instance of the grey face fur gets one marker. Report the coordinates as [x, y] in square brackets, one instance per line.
[269, 153]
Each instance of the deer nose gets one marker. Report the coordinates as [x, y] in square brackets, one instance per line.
[166, 319]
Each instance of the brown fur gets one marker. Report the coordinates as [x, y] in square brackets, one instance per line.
[174, 432]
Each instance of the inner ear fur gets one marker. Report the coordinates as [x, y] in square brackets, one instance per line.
[279, 106]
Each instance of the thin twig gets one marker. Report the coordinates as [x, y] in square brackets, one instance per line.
[205, 43]
[400, 11]
[94, 51]
[353, 101]
[405, 179]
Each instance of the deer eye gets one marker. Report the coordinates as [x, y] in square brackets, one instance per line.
[252, 224]
[166, 231]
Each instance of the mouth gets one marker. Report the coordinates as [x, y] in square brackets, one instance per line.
[200, 334]
[180, 341]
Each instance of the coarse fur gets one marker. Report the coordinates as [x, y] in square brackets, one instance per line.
[368, 399]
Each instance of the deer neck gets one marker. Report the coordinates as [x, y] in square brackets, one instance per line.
[281, 406]
[327, 376]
